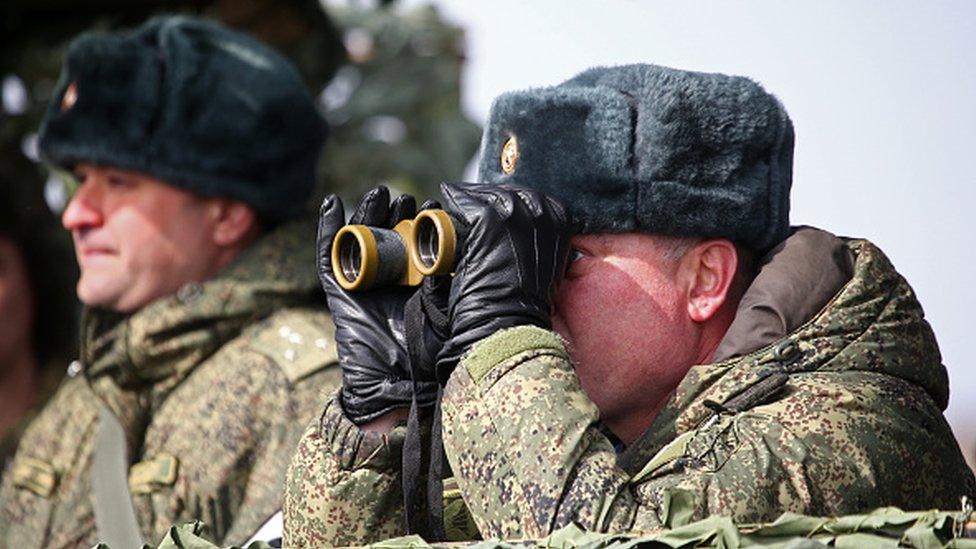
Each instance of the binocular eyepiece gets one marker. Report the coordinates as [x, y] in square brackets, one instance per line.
[364, 257]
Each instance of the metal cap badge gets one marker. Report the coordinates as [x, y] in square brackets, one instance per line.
[70, 97]
[510, 155]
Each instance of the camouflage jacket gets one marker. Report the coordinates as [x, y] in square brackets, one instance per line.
[212, 385]
[50, 378]
[344, 487]
[838, 413]
[842, 414]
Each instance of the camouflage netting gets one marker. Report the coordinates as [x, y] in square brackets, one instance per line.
[885, 527]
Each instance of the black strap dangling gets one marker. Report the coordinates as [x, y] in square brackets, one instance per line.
[417, 456]
[413, 451]
[435, 475]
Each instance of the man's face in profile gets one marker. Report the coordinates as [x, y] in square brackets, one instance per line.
[621, 310]
[136, 238]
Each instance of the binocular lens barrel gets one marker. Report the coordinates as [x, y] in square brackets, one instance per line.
[350, 257]
[363, 256]
[435, 241]
[427, 243]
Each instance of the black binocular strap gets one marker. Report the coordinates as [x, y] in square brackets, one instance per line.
[437, 318]
[435, 474]
[412, 464]
[418, 456]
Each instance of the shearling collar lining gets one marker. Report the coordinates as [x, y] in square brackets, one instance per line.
[796, 279]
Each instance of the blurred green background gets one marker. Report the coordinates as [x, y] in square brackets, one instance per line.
[386, 77]
[387, 80]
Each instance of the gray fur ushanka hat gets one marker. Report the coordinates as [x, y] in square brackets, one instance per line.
[192, 103]
[643, 148]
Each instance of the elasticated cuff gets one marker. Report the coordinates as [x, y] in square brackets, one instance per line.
[358, 449]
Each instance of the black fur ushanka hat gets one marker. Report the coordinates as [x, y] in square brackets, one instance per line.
[643, 148]
[192, 103]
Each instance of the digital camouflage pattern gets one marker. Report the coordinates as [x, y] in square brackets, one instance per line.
[857, 424]
[344, 487]
[336, 461]
[50, 380]
[215, 383]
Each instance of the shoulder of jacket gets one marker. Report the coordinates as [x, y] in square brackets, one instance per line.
[49, 447]
[300, 341]
[73, 394]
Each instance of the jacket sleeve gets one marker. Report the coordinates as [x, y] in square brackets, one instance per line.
[343, 486]
[523, 441]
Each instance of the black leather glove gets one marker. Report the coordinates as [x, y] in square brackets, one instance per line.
[369, 324]
[512, 254]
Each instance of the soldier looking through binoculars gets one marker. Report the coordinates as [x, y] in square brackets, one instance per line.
[696, 346]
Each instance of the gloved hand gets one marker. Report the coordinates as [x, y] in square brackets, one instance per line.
[369, 324]
[513, 253]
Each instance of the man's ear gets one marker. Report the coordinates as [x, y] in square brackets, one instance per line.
[234, 222]
[709, 268]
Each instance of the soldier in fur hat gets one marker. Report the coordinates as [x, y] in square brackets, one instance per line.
[637, 337]
[204, 339]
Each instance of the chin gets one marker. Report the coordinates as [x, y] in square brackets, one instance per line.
[93, 295]
[95, 301]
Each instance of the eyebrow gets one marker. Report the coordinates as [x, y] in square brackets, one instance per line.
[602, 242]
[594, 242]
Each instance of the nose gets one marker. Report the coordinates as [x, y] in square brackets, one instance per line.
[84, 209]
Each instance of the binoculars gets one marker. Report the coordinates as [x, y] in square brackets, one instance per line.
[364, 257]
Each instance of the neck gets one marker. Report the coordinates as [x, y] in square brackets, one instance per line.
[710, 335]
[713, 332]
[18, 385]
[629, 428]
[229, 253]
[708, 348]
